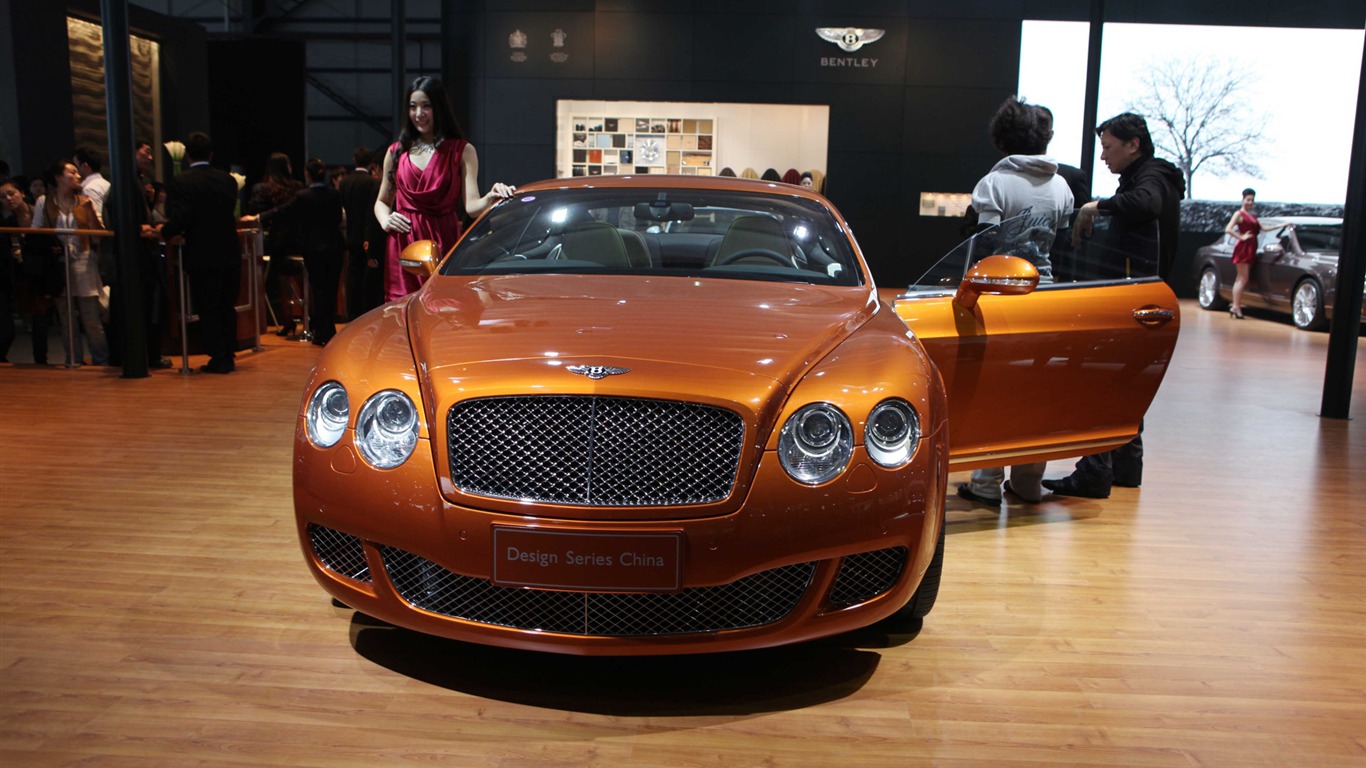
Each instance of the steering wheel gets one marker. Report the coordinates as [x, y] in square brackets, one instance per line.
[762, 253]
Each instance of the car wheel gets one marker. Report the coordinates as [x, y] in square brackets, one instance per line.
[1306, 307]
[1207, 293]
[923, 600]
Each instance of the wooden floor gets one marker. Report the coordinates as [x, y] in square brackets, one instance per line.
[155, 609]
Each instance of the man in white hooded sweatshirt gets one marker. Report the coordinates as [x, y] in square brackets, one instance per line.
[1025, 192]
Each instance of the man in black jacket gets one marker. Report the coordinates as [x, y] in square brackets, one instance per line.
[1148, 198]
[317, 212]
[1149, 194]
[200, 203]
[365, 240]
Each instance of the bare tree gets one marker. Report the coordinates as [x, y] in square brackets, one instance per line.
[1199, 112]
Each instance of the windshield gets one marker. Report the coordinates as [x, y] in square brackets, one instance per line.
[1100, 248]
[695, 232]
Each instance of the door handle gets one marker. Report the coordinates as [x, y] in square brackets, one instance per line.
[1153, 315]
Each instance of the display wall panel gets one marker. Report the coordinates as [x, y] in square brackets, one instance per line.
[878, 191]
[867, 116]
[645, 46]
[950, 120]
[738, 47]
[529, 118]
[968, 53]
[645, 90]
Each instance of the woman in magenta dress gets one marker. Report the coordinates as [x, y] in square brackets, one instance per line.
[1244, 228]
[430, 173]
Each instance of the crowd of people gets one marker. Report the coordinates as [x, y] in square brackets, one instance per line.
[341, 221]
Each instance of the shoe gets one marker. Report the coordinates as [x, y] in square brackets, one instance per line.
[286, 330]
[1068, 486]
[1236, 314]
[1125, 484]
[159, 364]
[218, 367]
[965, 492]
[1006, 486]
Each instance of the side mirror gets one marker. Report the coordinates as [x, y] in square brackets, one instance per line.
[998, 275]
[419, 258]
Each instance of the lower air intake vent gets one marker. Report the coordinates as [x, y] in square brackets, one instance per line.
[866, 575]
[752, 601]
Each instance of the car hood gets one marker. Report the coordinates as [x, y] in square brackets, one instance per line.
[467, 329]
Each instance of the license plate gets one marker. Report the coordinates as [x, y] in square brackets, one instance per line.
[573, 560]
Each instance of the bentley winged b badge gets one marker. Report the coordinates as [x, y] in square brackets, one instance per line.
[596, 372]
[850, 38]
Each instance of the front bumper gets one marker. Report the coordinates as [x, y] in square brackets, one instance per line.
[791, 564]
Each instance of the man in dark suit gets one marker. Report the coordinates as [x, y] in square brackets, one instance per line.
[365, 240]
[199, 204]
[317, 213]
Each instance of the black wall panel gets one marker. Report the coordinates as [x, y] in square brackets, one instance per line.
[644, 46]
[908, 113]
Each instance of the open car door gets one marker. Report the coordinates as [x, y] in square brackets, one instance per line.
[1039, 369]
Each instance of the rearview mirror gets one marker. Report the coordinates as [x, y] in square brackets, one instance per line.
[998, 275]
[419, 259]
[662, 210]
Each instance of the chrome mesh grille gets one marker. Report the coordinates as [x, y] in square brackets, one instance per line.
[594, 451]
[756, 600]
[339, 552]
[866, 575]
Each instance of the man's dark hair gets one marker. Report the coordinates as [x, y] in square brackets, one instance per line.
[1017, 129]
[363, 156]
[198, 146]
[140, 143]
[1249, 191]
[1126, 126]
[87, 157]
[316, 170]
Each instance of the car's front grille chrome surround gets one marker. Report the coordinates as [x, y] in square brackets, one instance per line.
[594, 450]
[753, 601]
[866, 575]
[339, 552]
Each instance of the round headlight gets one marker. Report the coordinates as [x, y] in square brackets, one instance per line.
[892, 434]
[816, 443]
[386, 429]
[328, 411]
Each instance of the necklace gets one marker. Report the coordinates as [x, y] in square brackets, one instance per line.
[424, 148]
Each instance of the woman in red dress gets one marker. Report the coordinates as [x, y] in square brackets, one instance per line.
[429, 174]
[1244, 228]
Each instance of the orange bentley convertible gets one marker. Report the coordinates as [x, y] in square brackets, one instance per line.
[651, 415]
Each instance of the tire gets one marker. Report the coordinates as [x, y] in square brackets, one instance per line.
[1306, 306]
[1207, 291]
[918, 607]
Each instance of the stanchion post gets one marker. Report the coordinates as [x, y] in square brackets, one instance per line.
[184, 310]
[307, 334]
[70, 307]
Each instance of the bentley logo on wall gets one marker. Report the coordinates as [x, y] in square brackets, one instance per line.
[849, 39]
[517, 42]
[596, 372]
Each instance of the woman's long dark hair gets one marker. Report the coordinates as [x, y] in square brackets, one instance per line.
[278, 168]
[444, 124]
